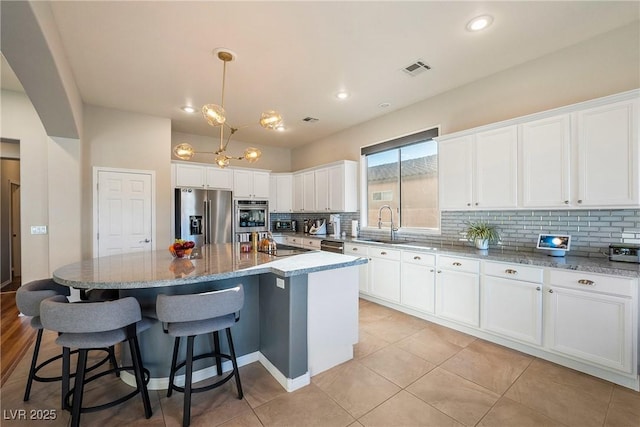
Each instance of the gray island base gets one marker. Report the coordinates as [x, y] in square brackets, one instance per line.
[300, 315]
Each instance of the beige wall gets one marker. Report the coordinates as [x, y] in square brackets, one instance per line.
[601, 66]
[124, 140]
[273, 158]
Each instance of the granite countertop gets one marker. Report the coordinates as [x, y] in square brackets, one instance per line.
[216, 262]
[600, 265]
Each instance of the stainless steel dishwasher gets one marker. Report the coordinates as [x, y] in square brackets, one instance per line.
[332, 246]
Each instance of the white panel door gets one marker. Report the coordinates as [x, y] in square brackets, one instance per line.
[124, 212]
[496, 172]
[455, 173]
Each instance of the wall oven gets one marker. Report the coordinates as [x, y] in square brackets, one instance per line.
[251, 215]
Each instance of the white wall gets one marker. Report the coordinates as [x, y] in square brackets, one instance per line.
[49, 185]
[273, 158]
[601, 66]
[125, 140]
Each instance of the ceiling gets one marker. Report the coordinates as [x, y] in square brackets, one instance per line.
[153, 57]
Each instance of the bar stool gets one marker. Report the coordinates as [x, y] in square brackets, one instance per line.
[28, 299]
[199, 314]
[88, 325]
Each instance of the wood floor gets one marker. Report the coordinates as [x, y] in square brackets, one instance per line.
[15, 334]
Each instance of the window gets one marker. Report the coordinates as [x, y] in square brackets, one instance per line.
[403, 174]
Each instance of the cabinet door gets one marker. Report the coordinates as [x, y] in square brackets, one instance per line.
[336, 187]
[189, 175]
[322, 189]
[242, 184]
[218, 178]
[418, 286]
[458, 297]
[545, 162]
[298, 192]
[284, 192]
[512, 308]
[593, 327]
[260, 184]
[362, 252]
[607, 149]
[308, 192]
[273, 193]
[385, 278]
[496, 172]
[455, 171]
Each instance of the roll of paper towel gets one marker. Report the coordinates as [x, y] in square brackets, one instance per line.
[354, 228]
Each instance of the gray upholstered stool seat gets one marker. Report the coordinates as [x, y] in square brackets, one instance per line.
[28, 299]
[200, 314]
[87, 325]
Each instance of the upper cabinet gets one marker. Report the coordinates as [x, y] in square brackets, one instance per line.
[201, 176]
[330, 188]
[479, 171]
[281, 193]
[584, 155]
[250, 184]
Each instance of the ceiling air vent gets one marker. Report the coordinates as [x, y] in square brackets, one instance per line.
[416, 68]
[310, 119]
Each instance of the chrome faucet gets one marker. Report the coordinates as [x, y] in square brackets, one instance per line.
[380, 219]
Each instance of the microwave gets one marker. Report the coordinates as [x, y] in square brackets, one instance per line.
[251, 215]
[284, 225]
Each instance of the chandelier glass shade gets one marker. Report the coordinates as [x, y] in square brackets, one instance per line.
[215, 115]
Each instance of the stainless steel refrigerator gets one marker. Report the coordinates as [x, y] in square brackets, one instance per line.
[204, 216]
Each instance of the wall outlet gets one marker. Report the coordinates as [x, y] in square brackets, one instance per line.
[38, 229]
[280, 283]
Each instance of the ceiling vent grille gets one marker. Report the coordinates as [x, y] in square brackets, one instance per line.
[310, 119]
[416, 68]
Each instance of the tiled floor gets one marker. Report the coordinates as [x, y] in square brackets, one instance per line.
[407, 372]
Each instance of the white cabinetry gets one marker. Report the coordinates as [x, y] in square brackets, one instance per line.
[607, 155]
[281, 193]
[248, 184]
[200, 176]
[590, 317]
[511, 303]
[331, 188]
[384, 273]
[322, 190]
[311, 243]
[479, 171]
[417, 281]
[458, 290]
[294, 241]
[361, 251]
[304, 192]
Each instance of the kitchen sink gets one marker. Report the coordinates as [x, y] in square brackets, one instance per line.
[387, 241]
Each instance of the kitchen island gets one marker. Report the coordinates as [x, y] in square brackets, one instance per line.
[300, 315]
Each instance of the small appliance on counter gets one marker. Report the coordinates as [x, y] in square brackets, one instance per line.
[319, 227]
[557, 244]
[625, 252]
[334, 220]
[284, 225]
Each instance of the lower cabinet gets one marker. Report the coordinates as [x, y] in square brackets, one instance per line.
[590, 317]
[417, 282]
[458, 290]
[384, 273]
[294, 241]
[511, 302]
[361, 251]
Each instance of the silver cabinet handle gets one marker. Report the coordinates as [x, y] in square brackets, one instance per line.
[431, 271]
[144, 241]
[550, 291]
[579, 201]
[354, 249]
[383, 253]
[566, 202]
[468, 204]
[510, 271]
[586, 282]
[457, 264]
[538, 288]
[417, 257]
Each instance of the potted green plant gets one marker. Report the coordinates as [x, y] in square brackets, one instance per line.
[481, 234]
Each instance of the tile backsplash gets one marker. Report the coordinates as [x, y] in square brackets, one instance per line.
[591, 230]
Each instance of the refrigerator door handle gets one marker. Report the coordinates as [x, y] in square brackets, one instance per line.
[206, 222]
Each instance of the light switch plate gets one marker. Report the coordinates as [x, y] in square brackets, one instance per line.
[280, 283]
[38, 229]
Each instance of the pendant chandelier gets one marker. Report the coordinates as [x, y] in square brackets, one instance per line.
[215, 115]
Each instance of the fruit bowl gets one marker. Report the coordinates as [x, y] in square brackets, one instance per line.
[181, 248]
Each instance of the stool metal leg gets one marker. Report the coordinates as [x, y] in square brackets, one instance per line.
[174, 361]
[112, 359]
[137, 369]
[216, 349]
[78, 388]
[186, 417]
[66, 368]
[34, 361]
[235, 364]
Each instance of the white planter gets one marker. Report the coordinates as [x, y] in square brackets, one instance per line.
[482, 243]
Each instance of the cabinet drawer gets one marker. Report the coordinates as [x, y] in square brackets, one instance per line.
[312, 243]
[418, 258]
[592, 282]
[293, 241]
[356, 250]
[392, 254]
[514, 271]
[459, 264]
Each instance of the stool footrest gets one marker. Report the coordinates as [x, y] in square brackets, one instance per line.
[210, 386]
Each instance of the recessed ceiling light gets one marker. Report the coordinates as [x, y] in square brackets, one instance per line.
[280, 128]
[480, 23]
[188, 109]
[342, 95]
[384, 105]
